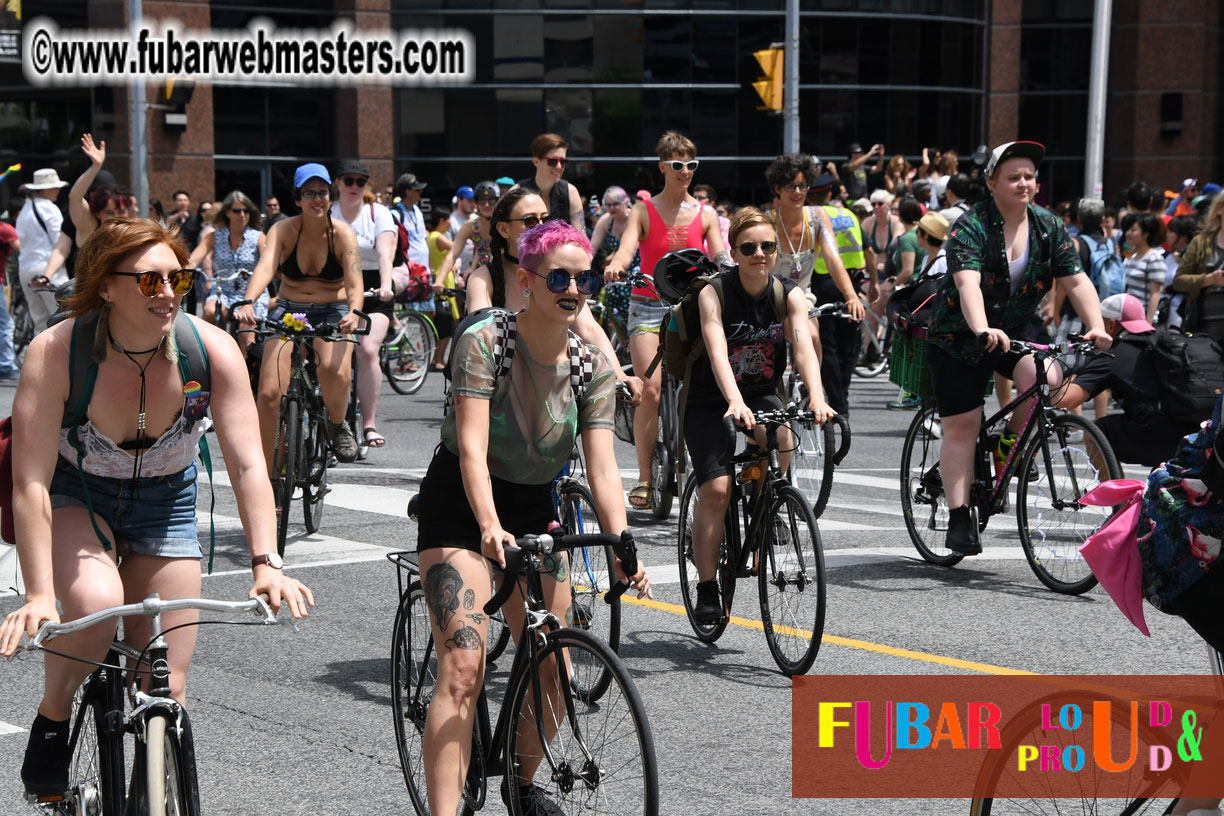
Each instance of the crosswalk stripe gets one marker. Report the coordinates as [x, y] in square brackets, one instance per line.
[9, 728]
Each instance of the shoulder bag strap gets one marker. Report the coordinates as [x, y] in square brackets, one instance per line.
[193, 364]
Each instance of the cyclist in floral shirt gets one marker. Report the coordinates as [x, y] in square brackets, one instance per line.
[1004, 255]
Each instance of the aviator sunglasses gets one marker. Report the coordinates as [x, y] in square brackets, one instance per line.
[558, 280]
[749, 248]
[677, 165]
[150, 282]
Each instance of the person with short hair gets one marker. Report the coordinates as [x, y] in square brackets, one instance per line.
[956, 194]
[1145, 268]
[106, 510]
[854, 172]
[407, 211]
[472, 239]
[38, 228]
[549, 154]
[272, 213]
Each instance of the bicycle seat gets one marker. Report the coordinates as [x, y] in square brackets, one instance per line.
[412, 506]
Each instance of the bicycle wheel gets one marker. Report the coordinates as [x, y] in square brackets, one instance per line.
[414, 674]
[287, 454]
[170, 776]
[792, 582]
[706, 633]
[601, 756]
[660, 474]
[1005, 790]
[922, 499]
[315, 487]
[590, 577]
[871, 359]
[618, 333]
[95, 773]
[1053, 524]
[407, 362]
[811, 466]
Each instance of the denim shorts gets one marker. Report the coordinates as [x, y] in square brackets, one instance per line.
[317, 314]
[150, 516]
[645, 316]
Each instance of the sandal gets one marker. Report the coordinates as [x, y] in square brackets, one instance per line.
[378, 439]
[639, 496]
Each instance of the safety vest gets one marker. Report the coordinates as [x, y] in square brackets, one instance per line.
[849, 237]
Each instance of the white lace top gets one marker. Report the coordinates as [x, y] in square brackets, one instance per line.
[172, 452]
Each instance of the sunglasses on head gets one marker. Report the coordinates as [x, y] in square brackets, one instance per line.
[531, 219]
[151, 283]
[353, 181]
[558, 280]
[677, 165]
[553, 161]
[749, 248]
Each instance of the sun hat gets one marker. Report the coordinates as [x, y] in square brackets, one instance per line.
[44, 179]
[1127, 310]
[934, 225]
[1032, 150]
[308, 171]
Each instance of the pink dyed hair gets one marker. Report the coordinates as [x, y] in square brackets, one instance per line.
[542, 239]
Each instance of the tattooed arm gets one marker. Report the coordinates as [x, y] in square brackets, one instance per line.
[472, 428]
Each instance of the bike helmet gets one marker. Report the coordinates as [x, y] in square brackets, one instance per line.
[487, 188]
[676, 271]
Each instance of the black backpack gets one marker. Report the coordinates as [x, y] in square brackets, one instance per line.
[1190, 373]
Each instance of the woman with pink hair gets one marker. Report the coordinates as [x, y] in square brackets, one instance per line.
[514, 421]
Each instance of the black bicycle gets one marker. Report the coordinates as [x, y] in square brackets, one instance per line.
[110, 707]
[303, 447]
[596, 757]
[1062, 457]
[781, 548]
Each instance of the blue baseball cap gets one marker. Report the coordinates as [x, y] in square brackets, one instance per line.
[308, 171]
[465, 192]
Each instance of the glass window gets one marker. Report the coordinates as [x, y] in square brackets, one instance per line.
[714, 38]
[1046, 10]
[1059, 122]
[837, 45]
[616, 128]
[1055, 58]
[669, 49]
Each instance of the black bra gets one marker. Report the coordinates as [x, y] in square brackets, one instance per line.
[331, 271]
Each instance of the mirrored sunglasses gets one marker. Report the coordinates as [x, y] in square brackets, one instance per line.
[151, 283]
[749, 248]
[558, 280]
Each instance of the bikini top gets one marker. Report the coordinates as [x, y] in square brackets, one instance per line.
[871, 242]
[331, 271]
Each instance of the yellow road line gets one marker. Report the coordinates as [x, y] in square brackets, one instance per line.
[866, 646]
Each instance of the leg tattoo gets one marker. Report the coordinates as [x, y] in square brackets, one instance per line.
[442, 585]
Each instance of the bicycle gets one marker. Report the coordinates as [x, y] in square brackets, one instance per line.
[23, 321]
[816, 449]
[1063, 456]
[302, 450]
[163, 779]
[781, 547]
[593, 754]
[613, 322]
[407, 355]
[876, 348]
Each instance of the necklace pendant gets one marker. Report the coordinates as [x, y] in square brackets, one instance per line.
[140, 421]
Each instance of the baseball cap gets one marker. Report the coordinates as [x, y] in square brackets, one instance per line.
[855, 147]
[409, 181]
[308, 171]
[352, 167]
[1189, 183]
[506, 181]
[1210, 188]
[1007, 150]
[465, 192]
[1127, 310]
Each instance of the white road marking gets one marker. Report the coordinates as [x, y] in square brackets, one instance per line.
[9, 728]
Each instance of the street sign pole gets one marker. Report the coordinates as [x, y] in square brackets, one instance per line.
[1098, 80]
[140, 147]
[790, 94]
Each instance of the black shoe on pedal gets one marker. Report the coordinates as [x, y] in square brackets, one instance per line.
[709, 608]
[532, 801]
[962, 537]
[45, 769]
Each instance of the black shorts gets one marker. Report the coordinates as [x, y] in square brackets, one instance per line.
[706, 438]
[371, 280]
[445, 518]
[959, 386]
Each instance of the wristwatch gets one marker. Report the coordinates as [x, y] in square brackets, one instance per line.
[272, 559]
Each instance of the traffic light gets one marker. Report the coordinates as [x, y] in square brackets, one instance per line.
[177, 92]
[770, 88]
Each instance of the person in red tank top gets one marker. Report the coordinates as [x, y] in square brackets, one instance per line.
[670, 220]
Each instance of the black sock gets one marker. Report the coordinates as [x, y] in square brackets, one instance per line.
[46, 760]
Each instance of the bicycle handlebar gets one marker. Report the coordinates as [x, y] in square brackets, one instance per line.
[837, 309]
[1077, 345]
[844, 447]
[789, 414]
[151, 607]
[531, 545]
[328, 331]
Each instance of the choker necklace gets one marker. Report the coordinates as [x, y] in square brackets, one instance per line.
[115, 345]
[510, 257]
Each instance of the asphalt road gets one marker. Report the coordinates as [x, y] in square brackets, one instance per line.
[300, 723]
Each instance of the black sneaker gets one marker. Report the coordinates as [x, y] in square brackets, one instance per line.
[45, 769]
[962, 537]
[709, 608]
[343, 443]
[532, 801]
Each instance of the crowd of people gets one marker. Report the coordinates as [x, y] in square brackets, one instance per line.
[998, 266]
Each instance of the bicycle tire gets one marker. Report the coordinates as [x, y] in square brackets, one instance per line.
[407, 363]
[591, 758]
[1052, 535]
[706, 633]
[1037, 796]
[284, 466]
[791, 580]
[661, 466]
[871, 360]
[414, 675]
[923, 506]
[618, 333]
[811, 465]
[170, 778]
[591, 574]
[96, 768]
[315, 487]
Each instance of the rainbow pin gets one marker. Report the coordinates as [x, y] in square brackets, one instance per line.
[192, 387]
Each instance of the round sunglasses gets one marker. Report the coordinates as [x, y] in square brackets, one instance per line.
[553, 161]
[677, 165]
[749, 248]
[530, 220]
[151, 283]
[558, 280]
[353, 181]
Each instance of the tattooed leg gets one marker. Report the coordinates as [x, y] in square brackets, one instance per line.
[442, 585]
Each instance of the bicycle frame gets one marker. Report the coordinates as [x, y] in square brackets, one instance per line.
[752, 508]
